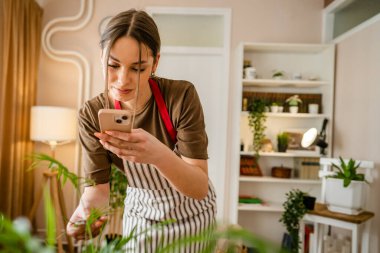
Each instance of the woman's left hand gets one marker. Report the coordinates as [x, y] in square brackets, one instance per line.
[138, 146]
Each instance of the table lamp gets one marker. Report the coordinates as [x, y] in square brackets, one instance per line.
[311, 136]
[53, 125]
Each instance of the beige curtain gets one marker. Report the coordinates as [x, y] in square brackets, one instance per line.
[20, 36]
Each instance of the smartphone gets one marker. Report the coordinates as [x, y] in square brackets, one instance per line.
[115, 120]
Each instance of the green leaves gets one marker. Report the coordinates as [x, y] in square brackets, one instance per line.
[257, 120]
[348, 172]
[118, 187]
[294, 210]
[49, 218]
[55, 165]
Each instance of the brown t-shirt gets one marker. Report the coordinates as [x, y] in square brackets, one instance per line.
[186, 114]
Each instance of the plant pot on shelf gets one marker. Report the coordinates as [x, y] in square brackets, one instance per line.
[348, 200]
[282, 142]
[293, 109]
[309, 202]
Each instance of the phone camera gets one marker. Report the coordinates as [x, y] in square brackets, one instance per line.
[119, 121]
[124, 117]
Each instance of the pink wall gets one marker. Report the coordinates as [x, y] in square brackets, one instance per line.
[357, 116]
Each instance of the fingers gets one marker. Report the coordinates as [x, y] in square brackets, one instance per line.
[78, 229]
[109, 135]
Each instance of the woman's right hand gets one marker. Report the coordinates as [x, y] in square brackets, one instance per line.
[93, 197]
[76, 227]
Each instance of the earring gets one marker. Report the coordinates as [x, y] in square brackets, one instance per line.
[152, 74]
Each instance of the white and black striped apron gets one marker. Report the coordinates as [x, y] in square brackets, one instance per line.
[151, 199]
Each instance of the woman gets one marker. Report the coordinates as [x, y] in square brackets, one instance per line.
[165, 155]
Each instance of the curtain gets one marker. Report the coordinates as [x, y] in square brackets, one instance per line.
[20, 39]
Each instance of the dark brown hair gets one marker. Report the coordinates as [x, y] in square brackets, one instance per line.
[132, 23]
[135, 24]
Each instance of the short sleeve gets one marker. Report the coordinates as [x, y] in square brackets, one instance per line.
[191, 134]
[96, 160]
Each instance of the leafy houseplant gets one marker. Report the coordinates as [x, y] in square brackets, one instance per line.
[345, 189]
[348, 172]
[293, 102]
[278, 74]
[257, 120]
[282, 142]
[294, 210]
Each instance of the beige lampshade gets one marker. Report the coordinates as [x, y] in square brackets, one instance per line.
[53, 124]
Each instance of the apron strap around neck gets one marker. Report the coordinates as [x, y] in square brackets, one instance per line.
[163, 109]
[117, 104]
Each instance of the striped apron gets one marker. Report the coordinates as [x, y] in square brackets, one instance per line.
[151, 200]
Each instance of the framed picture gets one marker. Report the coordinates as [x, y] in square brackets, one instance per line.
[295, 138]
[249, 166]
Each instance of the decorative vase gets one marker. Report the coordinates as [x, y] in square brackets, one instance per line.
[293, 109]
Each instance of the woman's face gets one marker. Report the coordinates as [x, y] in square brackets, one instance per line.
[123, 64]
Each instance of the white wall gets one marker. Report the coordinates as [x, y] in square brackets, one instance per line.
[357, 117]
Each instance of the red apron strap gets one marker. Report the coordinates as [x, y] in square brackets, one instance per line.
[117, 104]
[163, 109]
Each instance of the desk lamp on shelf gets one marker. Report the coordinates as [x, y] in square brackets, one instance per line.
[53, 126]
[311, 136]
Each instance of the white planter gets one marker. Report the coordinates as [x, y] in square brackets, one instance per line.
[349, 200]
[274, 108]
[293, 109]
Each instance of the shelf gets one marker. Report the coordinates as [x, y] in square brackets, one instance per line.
[284, 154]
[282, 83]
[290, 115]
[277, 180]
[268, 207]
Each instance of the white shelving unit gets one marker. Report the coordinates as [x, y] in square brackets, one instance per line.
[311, 60]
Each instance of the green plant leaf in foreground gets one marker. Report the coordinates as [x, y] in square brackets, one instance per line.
[49, 218]
[55, 165]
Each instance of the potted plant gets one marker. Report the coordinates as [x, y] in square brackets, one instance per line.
[294, 210]
[345, 188]
[278, 74]
[282, 142]
[293, 102]
[257, 120]
[274, 107]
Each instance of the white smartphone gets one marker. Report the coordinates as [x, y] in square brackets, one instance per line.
[115, 120]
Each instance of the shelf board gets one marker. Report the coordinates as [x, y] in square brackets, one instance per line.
[277, 180]
[282, 83]
[285, 154]
[291, 115]
[268, 207]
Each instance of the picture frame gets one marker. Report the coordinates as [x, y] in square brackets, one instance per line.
[294, 143]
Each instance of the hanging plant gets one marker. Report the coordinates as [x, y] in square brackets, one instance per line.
[257, 120]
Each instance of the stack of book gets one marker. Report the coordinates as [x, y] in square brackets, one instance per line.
[307, 167]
